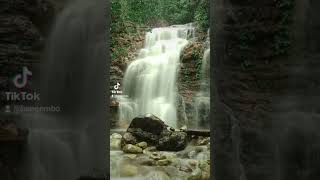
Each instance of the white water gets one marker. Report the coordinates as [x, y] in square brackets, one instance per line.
[202, 99]
[71, 143]
[150, 80]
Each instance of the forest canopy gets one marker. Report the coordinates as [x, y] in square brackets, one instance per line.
[152, 12]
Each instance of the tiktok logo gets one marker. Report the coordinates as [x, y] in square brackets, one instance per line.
[116, 90]
[21, 80]
[116, 87]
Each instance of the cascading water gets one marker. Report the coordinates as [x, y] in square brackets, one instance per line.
[72, 143]
[202, 99]
[150, 81]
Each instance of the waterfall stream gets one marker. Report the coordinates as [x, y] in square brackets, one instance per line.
[71, 143]
[150, 81]
[202, 98]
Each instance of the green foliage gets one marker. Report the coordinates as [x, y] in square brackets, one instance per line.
[170, 11]
[120, 52]
[126, 15]
[201, 16]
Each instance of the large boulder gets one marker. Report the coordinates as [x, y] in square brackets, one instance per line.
[147, 128]
[176, 141]
[154, 131]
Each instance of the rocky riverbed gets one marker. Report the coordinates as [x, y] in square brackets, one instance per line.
[150, 149]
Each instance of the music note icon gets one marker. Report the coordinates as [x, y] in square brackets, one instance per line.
[117, 86]
[21, 80]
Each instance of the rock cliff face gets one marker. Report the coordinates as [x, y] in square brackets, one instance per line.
[265, 78]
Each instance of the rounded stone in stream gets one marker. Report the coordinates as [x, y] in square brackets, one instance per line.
[115, 144]
[163, 162]
[155, 132]
[176, 141]
[115, 141]
[115, 136]
[156, 156]
[142, 145]
[128, 138]
[147, 128]
[129, 148]
[148, 123]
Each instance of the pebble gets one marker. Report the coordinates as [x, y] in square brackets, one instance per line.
[142, 145]
[129, 148]
[163, 162]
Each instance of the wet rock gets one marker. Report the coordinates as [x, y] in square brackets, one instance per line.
[163, 162]
[142, 145]
[129, 148]
[130, 156]
[128, 170]
[116, 136]
[154, 131]
[128, 138]
[190, 51]
[115, 144]
[203, 141]
[183, 128]
[151, 148]
[156, 156]
[147, 128]
[115, 141]
[176, 141]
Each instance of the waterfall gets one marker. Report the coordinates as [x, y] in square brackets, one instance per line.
[72, 143]
[202, 99]
[150, 81]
